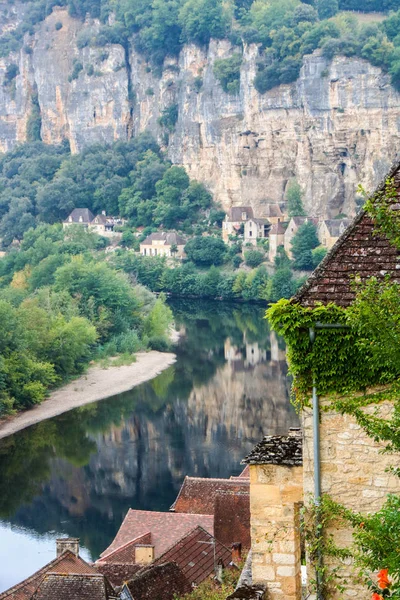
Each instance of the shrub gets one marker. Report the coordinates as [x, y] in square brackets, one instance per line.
[253, 258]
[77, 68]
[169, 117]
[227, 71]
[236, 261]
[206, 251]
[159, 343]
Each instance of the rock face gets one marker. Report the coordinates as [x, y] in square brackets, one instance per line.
[335, 127]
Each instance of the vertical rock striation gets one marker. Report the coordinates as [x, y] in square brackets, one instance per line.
[336, 126]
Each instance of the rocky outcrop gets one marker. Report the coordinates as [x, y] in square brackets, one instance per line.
[335, 127]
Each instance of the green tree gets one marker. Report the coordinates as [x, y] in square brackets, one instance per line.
[327, 8]
[294, 201]
[206, 251]
[304, 241]
[317, 255]
[203, 19]
[281, 285]
[227, 71]
[253, 258]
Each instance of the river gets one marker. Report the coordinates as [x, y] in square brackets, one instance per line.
[77, 474]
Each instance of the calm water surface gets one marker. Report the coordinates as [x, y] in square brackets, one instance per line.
[78, 474]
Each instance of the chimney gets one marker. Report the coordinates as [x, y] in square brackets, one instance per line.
[144, 553]
[71, 544]
[236, 553]
[103, 212]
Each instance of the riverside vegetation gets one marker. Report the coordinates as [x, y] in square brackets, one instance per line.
[61, 305]
[64, 302]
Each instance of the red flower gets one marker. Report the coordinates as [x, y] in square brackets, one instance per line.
[376, 597]
[383, 581]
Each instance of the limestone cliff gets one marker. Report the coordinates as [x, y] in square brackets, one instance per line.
[338, 125]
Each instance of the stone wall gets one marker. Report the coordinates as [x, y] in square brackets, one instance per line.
[352, 473]
[276, 492]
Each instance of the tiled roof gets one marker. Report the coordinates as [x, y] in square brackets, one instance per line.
[166, 528]
[197, 494]
[60, 586]
[301, 220]
[161, 236]
[117, 573]
[277, 229]
[194, 555]
[337, 226]
[232, 518]
[260, 221]
[64, 564]
[272, 210]
[278, 450]
[235, 213]
[360, 251]
[100, 219]
[84, 213]
[158, 582]
[126, 552]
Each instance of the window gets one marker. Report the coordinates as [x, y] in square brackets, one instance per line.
[250, 233]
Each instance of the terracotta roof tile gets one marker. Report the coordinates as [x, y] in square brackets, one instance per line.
[117, 573]
[194, 555]
[197, 494]
[232, 518]
[166, 528]
[359, 251]
[56, 586]
[64, 564]
[159, 582]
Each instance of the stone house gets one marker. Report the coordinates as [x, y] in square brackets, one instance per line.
[330, 230]
[276, 239]
[161, 243]
[235, 221]
[79, 216]
[256, 229]
[273, 213]
[228, 500]
[67, 576]
[105, 225]
[353, 469]
[293, 226]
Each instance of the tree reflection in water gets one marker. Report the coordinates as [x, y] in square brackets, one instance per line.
[78, 474]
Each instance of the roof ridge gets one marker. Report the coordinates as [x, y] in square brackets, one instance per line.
[338, 244]
[138, 537]
[40, 573]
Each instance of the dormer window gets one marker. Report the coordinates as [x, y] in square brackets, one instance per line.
[80, 220]
[70, 219]
[244, 216]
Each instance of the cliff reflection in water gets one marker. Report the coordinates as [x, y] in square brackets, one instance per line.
[78, 474]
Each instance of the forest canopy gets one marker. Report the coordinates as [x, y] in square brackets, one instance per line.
[62, 304]
[285, 30]
[44, 183]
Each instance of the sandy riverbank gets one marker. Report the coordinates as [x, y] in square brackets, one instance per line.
[96, 384]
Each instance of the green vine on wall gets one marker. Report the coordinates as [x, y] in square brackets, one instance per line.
[346, 363]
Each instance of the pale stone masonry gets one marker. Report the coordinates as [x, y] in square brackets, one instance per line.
[353, 473]
[276, 493]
